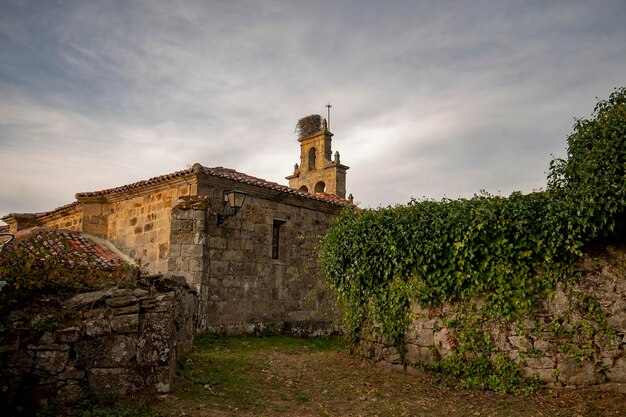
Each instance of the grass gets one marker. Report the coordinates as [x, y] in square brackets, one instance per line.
[285, 376]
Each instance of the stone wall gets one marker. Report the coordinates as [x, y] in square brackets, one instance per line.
[137, 224]
[112, 343]
[140, 227]
[566, 343]
[71, 219]
[242, 289]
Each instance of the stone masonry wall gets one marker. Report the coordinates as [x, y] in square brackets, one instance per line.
[140, 227]
[242, 289]
[111, 343]
[73, 220]
[188, 250]
[137, 226]
[249, 289]
[553, 345]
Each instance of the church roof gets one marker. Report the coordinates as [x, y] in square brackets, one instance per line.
[220, 172]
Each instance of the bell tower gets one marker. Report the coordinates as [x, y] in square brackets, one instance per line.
[319, 171]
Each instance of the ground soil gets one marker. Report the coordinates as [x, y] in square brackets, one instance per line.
[279, 376]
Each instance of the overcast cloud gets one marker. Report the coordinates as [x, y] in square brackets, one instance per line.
[430, 98]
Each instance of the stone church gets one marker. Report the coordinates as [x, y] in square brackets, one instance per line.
[252, 267]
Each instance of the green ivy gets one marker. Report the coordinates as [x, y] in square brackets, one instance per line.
[506, 251]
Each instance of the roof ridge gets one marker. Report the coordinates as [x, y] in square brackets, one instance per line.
[260, 182]
[137, 184]
[222, 172]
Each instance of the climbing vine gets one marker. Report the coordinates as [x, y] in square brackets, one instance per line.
[506, 251]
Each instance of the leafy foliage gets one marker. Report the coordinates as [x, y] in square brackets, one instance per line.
[505, 251]
[30, 275]
[36, 277]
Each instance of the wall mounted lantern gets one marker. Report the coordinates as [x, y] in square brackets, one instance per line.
[233, 201]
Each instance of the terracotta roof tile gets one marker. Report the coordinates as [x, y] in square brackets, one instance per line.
[43, 213]
[138, 184]
[231, 174]
[58, 209]
[221, 172]
[64, 244]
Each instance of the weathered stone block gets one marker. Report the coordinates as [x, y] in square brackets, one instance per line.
[573, 373]
[618, 372]
[541, 345]
[561, 303]
[442, 338]
[544, 374]
[232, 255]
[97, 327]
[52, 361]
[425, 337]
[71, 373]
[20, 359]
[51, 346]
[155, 343]
[126, 310]
[140, 292]
[112, 383]
[71, 394]
[114, 350]
[87, 298]
[419, 354]
[121, 301]
[68, 335]
[618, 320]
[521, 343]
[128, 323]
[163, 250]
[539, 362]
[431, 324]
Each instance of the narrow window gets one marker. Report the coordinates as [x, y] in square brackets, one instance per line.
[276, 238]
[312, 155]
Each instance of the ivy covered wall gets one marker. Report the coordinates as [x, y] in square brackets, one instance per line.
[496, 259]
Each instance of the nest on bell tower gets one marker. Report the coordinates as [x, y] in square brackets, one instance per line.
[308, 125]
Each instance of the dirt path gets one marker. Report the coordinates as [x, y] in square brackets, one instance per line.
[314, 377]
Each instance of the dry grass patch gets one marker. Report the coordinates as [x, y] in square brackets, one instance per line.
[282, 376]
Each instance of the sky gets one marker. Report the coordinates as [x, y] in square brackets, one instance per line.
[430, 99]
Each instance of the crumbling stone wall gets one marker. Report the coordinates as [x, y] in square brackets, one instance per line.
[116, 342]
[555, 344]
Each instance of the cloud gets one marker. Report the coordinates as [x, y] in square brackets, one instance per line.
[429, 99]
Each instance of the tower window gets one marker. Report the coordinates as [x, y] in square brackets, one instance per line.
[276, 238]
[320, 187]
[312, 155]
[304, 189]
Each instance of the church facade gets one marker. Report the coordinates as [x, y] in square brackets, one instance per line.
[257, 268]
